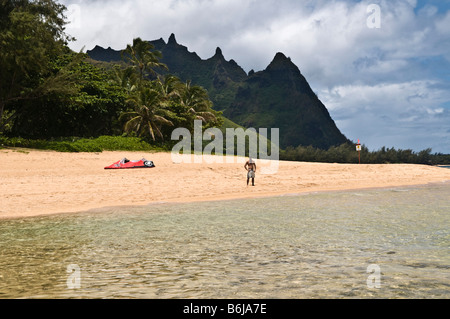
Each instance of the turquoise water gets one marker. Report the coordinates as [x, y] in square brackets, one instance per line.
[306, 246]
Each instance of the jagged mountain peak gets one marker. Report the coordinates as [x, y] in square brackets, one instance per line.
[281, 57]
[160, 42]
[102, 54]
[219, 53]
[172, 39]
[281, 62]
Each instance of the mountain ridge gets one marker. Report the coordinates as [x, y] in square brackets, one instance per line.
[276, 97]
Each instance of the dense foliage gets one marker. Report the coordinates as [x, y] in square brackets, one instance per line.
[92, 108]
[99, 144]
[346, 153]
[31, 38]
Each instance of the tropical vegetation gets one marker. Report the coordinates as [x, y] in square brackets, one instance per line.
[346, 153]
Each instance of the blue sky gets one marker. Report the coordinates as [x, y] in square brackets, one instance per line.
[442, 5]
[383, 73]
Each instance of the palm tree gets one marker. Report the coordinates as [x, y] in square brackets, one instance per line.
[169, 87]
[142, 57]
[148, 116]
[125, 78]
[196, 100]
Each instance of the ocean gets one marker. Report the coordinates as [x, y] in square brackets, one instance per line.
[379, 243]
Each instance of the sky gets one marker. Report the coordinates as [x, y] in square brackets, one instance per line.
[381, 67]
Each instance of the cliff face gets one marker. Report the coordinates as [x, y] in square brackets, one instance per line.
[277, 97]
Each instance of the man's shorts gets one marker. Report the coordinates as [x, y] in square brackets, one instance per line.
[251, 174]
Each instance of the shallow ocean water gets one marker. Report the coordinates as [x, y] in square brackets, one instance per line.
[320, 245]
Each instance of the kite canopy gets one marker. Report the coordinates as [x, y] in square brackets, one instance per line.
[126, 163]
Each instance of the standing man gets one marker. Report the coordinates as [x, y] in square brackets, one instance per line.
[250, 167]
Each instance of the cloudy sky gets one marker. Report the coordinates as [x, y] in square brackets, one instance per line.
[381, 67]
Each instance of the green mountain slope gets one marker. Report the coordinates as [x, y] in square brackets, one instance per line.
[281, 97]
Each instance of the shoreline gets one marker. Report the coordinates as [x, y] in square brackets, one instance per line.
[206, 200]
[40, 183]
[274, 195]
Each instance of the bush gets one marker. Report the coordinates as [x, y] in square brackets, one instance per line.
[346, 153]
[102, 143]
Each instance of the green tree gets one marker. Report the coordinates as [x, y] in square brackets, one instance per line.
[196, 100]
[147, 117]
[143, 58]
[92, 109]
[31, 37]
[169, 87]
[125, 78]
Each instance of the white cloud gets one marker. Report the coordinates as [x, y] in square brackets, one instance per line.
[404, 115]
[328, 40]
[443, 26]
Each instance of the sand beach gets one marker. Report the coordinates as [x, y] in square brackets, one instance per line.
[35, 183]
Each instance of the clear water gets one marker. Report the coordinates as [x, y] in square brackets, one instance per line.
[305, 246]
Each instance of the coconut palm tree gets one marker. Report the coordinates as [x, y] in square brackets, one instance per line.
[143, 57]
[169, 87]
[196, 100]
[125, 78]
[148, 116]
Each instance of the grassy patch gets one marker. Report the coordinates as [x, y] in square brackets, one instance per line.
[99, 144]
